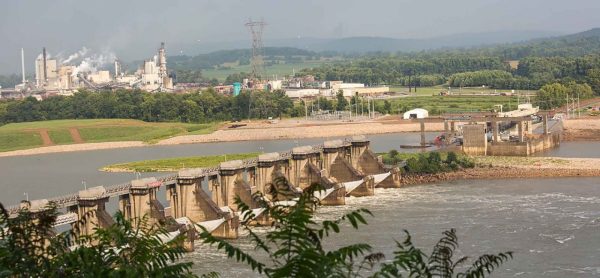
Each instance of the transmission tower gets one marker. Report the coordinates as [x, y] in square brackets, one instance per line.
[256, 30]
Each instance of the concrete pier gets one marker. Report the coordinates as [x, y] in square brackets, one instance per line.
[365, 161]
[141, 202]
[337, 162]
[232, 185]
[91, 211]
[304, 160]
[269, 167]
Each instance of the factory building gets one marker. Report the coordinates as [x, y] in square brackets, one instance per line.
[53, 76]
[46, 71]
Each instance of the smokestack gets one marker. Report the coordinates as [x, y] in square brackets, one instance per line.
[117, 68]
[162, 61]
[23, 64]
[44, 57]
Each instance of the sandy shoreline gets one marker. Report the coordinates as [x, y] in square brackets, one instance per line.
[515, 167]
[75, 148]
[288, 129]
[584, 129]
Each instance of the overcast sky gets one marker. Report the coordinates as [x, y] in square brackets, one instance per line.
[135, 28]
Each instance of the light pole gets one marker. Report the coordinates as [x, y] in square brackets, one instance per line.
[578, 107]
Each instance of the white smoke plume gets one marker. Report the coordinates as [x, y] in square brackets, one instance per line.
[92, 62]
[81, 53]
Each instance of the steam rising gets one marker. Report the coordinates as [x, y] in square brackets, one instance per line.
[81, 53]
[88, 61]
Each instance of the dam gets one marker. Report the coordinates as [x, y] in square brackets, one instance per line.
[343, 167]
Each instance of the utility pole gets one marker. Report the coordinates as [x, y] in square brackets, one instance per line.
[350, 110]
[578, 107]
[305, 109]
[362, 106]
[567, 107]
[318, 104]
[249, 104]
[373, 110]
[573, 104]
[369, 107]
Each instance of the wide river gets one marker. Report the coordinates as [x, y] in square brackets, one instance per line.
[552, 225]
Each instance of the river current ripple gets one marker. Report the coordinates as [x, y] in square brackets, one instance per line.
[551, 225]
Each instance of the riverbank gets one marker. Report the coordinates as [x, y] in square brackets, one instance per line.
[255, 130]
[582, 129]
[514, 167]
[301, 129]
[175, 164]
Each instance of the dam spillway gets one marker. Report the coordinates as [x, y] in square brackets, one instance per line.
[343, 167]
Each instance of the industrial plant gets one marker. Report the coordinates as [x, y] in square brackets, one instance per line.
[55, 77]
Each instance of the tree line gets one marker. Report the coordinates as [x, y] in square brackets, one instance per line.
[556, 94]
[9, 81]
[197, 107]
[463, 71]
[396, 69]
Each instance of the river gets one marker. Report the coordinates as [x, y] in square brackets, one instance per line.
[552, 225]
[49, 175]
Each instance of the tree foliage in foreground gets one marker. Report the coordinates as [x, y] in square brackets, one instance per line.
[30, 248]
[295, 247]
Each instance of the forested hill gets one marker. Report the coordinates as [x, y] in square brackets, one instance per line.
[574, 45]
[384, 44]
[241, 56]
[565, 59]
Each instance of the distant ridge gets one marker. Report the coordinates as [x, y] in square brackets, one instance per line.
[363, 44]
[384, 44]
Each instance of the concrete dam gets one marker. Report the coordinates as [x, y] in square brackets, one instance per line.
[343, 168]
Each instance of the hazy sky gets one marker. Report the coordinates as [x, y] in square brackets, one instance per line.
[135, 28]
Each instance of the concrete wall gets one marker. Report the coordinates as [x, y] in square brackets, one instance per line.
[474, 139]
[342, 170]
[192, 201]
[524, 148]
[508, 148]
[303, 170]
[544, 143]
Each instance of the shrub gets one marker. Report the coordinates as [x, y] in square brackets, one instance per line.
[451, 157]
[30, 248]
[432, 163]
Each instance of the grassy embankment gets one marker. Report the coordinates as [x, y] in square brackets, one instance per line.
[175, 164]
[31, 134]
[435, 91]
[519, 161]
[453, 104]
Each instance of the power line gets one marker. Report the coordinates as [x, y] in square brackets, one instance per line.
[257, 63]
